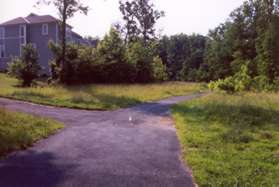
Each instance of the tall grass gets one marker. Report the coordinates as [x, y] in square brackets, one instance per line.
[19, 131]
[95, 96]
[231, 140]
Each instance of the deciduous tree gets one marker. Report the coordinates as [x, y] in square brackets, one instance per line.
[66, 10]
[140, 17]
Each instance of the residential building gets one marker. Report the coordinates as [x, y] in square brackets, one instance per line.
[36, 30]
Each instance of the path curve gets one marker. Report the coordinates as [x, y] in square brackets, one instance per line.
[101, 148]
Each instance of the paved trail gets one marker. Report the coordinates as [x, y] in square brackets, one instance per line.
[100, 148]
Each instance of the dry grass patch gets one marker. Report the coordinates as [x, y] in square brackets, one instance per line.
[95, 96]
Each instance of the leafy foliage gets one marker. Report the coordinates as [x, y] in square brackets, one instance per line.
[110, 62]
[159, 70]
[182, 54]
[66, 9]
[26, 68]
[251, 35]
[241, 81]
[140, 18]
[79, 60]
[246, 44]
[111, 49]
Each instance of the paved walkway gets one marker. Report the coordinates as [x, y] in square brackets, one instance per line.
[137, 146]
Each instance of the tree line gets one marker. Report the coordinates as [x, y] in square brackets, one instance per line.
[242, 53]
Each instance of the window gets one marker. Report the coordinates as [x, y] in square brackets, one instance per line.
[22, 37]
[22, 34]
[21, 31]
[2, 32]
[22, 41]
[45, 29]
[2, 51]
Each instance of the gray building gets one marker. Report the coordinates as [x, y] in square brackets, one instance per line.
[36, 30]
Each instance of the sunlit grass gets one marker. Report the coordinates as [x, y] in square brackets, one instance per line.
[95, 96]
[231, 140]
[19, 131]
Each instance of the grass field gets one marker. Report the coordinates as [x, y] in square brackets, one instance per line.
[100, 97]
[19, 131]
[231, 140]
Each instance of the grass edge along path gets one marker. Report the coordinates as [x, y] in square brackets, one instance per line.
[231, 140]
[18, 131]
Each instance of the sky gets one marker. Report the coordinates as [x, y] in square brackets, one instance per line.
[182, 16]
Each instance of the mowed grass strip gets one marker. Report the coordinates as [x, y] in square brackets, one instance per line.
[19, 131]
[95, 96]
[231, 140]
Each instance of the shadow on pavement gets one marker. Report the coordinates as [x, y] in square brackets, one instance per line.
[32, 169]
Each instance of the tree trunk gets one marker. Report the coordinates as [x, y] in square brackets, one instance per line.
[63, 62]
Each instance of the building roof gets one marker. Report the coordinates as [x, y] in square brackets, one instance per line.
[31, 19]
[19, 20]
[76, 35]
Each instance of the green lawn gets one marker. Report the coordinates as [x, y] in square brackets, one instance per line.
[231, 140]
[19, 131]
[100, 97]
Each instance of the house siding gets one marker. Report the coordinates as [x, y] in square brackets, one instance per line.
[11, 42]
[34, 35]
[3, 64]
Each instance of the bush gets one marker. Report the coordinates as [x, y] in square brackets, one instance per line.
[143, 57]
[241, 81]
[110, 62]
[111, 49]
[137, 51]
[79, 61]
[85, 66]
[159, 69]
[225, 85]
[25, 68]
[192, 75]
[262, 83]
[114, 73]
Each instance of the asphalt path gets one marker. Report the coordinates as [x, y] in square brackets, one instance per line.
[137, 146]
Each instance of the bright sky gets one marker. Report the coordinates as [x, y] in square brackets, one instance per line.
[182, 16]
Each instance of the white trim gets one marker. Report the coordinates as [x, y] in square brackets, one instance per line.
[45, 29]
[27, 21]
[20, 49]
[11, 38]
[57, 32]
[24, 34]
[22, 37]
[2, 30]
